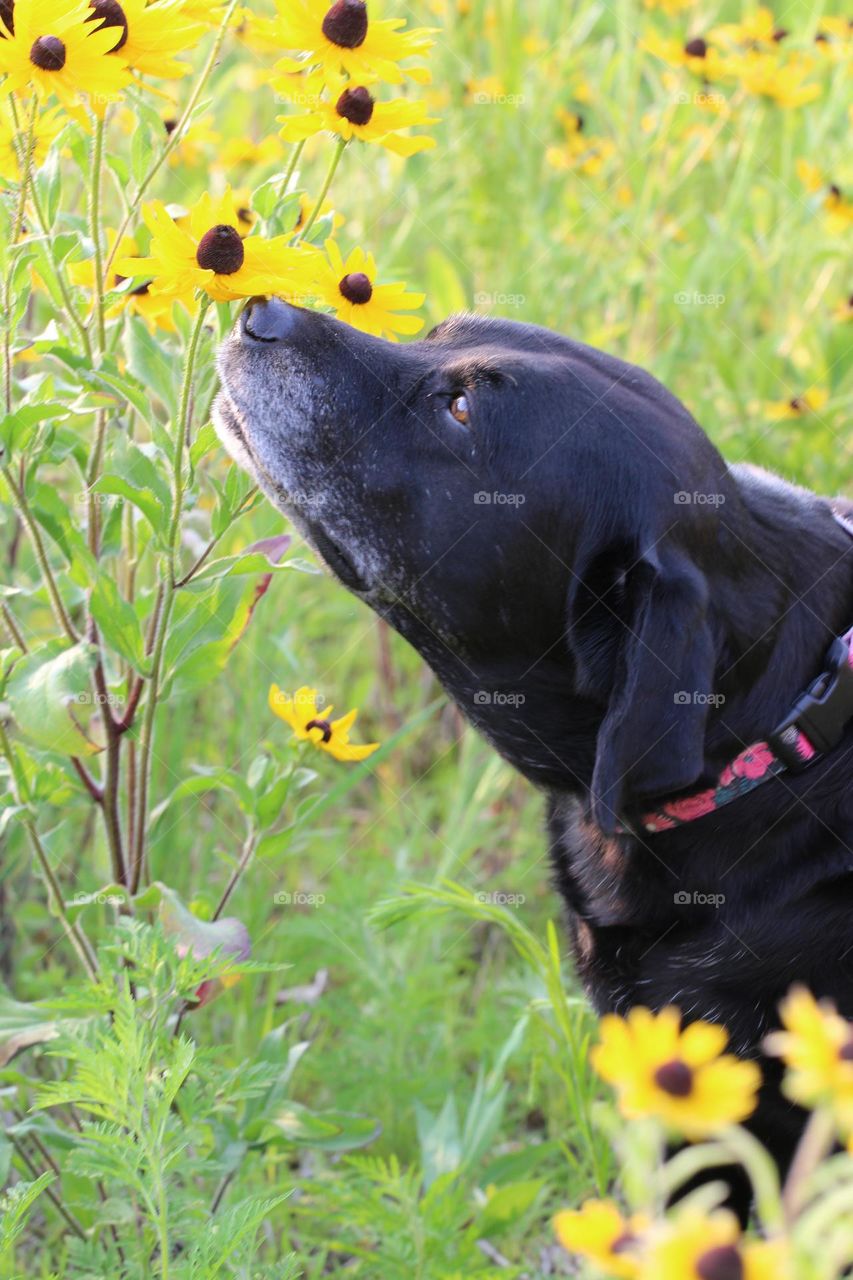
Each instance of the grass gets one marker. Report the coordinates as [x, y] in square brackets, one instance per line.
[437, 1020]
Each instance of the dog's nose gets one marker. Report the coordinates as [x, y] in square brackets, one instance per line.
[269, 320]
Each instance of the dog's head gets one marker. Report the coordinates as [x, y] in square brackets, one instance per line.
[540, 520]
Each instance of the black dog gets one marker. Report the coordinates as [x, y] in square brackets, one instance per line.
[618, 611]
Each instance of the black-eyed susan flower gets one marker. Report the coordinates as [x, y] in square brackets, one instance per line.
[757, 28]
[697, 54]
[212, 255]
[342, 38]
[46, 126]
[780, 80]
[154, 308]
[579, 149]
[679, 1076]
[312, 723]
[148, 36]
[698, 1246]
[799, 406]
[305, 208]
[604, 1236]
[817, 1047]
[355, 113]
[350, 288]
[51, 48]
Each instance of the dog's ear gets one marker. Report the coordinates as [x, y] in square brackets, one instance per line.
[639, 631]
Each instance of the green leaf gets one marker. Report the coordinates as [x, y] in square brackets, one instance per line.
[18, 428]
[118, 623]
[49, 693]
[22, 1025]
[150, 364]
[505, 1206]
[325, 1130]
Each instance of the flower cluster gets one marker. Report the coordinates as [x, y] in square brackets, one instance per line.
[76, 59]
[678, 1081]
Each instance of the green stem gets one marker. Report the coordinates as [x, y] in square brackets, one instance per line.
[182, 430]
[177, 133]
[72, 929]
[26, 163]
[167, 592]
[815, 1143]
[95, 229]
[32, 528]
[291, 169]
[324, 191]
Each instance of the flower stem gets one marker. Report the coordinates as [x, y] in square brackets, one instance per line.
[72, 929]
[95, 229]
[813, 1146]
[291, 169]
[324, 190]
[177, 133]
[32, 528]
[166, 595]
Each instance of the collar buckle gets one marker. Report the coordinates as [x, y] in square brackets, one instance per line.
[820, 715]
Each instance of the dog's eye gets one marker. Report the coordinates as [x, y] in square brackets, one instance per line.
[459, 409]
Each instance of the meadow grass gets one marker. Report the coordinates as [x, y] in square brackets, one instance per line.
[694, 249]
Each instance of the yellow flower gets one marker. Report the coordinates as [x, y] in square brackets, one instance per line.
[754, 28]
[211, 255]
[55, 49]
[311, 723]
[13, 138]
[355, 113]
[154, 308]
[244, 151]
[578, 150]
[306, 208]
[817, 1046]
[678, 1076]
[342, 39]
[599, 1232]
[844, 310]
[669, 6]
[768, 76]
[699, 1247]
[147, 36]
[697, 55]
[811, 401]
[350, 288]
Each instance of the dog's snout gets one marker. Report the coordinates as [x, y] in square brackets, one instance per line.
[269, 320]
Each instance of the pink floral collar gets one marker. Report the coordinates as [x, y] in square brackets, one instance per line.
[813, 727]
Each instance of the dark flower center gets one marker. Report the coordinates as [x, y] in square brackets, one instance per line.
[321, 724]
[779, 34]
[346, 23]
[221, 250]
[675, 1078]
[48, 53]
[845, 1053]
[355, 105]
[356, 288]
[170, 125]
[7, 13]
[722, 1263]
[798, 404]
[696, 48]
[623, 1243]
[111, 14]
[245, 215]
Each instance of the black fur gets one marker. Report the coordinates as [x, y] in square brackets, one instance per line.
[564, 624]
